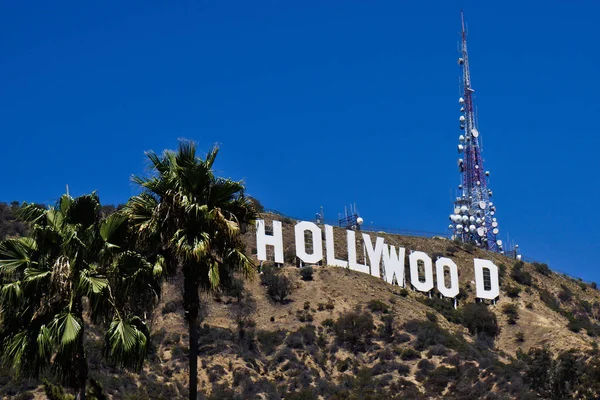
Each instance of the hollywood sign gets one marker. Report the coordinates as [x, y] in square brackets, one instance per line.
[380, 255]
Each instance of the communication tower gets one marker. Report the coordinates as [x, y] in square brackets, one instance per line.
[473, 220]
[350, 219]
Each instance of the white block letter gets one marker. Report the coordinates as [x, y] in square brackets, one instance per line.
[330, 246]
[493, 290]
[275, 240]
[317, 254]
[414, 258]
[352, 263]
[374, 254]
[440, 265]
[393, 264]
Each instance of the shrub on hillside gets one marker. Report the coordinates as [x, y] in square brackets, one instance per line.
[444, 307]
[354, 328]
[550, 300]
[270, 340]
[513, 291]
[520, 337]
[289, 256]
[450, 250]
[512, 312]
[519, 275]
[387, 329]
[469, 247]
[378, 306]
[565, 295]
[429, 334]
[279, 287]
[479, 320]
[542, 268]
[235, 289]
[410, 354]
[306, 273]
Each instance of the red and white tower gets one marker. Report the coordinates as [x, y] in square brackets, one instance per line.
[473, 220]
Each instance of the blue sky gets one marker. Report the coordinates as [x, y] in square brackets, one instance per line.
[315, 104]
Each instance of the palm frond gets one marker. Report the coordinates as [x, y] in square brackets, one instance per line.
[125, 342]
[45, 343]
[113, 229]
[55, 219]
[11, 293]
[84, 210]
[66, 327]
[16, 254]
[30, 213]
[14, 351]
[214, 276]
[211, 156]
[90, 283]
[35, 277]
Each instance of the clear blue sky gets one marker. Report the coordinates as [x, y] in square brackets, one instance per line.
[315, 103]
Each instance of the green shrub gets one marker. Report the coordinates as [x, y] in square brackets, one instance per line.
[378, 306]
[565, 295]
[479, 320]
[279, 287]
[512, 312]
[444, 307]
[519, 275]
[387, 329]
[306, 273]
[410, 354]
[549, 300]
[431, 316]
[289, 256]
[512, 291]
[450, 250]
[328, 323]
[304, 316]
[354, 328]
[54, 392]
[269, 340]
[542, 268]
[403, 292]
[235, 289]
[520, 337]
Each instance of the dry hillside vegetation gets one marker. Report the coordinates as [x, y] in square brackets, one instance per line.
[338, 334]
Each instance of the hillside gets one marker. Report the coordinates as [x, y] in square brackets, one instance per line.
[344, 334]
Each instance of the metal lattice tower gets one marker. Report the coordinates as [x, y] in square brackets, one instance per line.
[474, 218]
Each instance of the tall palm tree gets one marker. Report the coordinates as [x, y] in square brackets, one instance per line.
[197, 219]
[72, 263]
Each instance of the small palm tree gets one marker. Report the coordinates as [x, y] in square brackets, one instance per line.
[72, 264]
[197, 220]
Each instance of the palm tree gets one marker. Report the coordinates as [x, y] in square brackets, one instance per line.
[72, 262]
[197, 219]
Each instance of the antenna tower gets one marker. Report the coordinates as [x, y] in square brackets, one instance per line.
[473, 220]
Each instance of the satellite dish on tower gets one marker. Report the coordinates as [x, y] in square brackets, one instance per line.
[475, 132]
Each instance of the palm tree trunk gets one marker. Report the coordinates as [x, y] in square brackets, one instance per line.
[191, 303]
[82, 367]
[193, 326]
